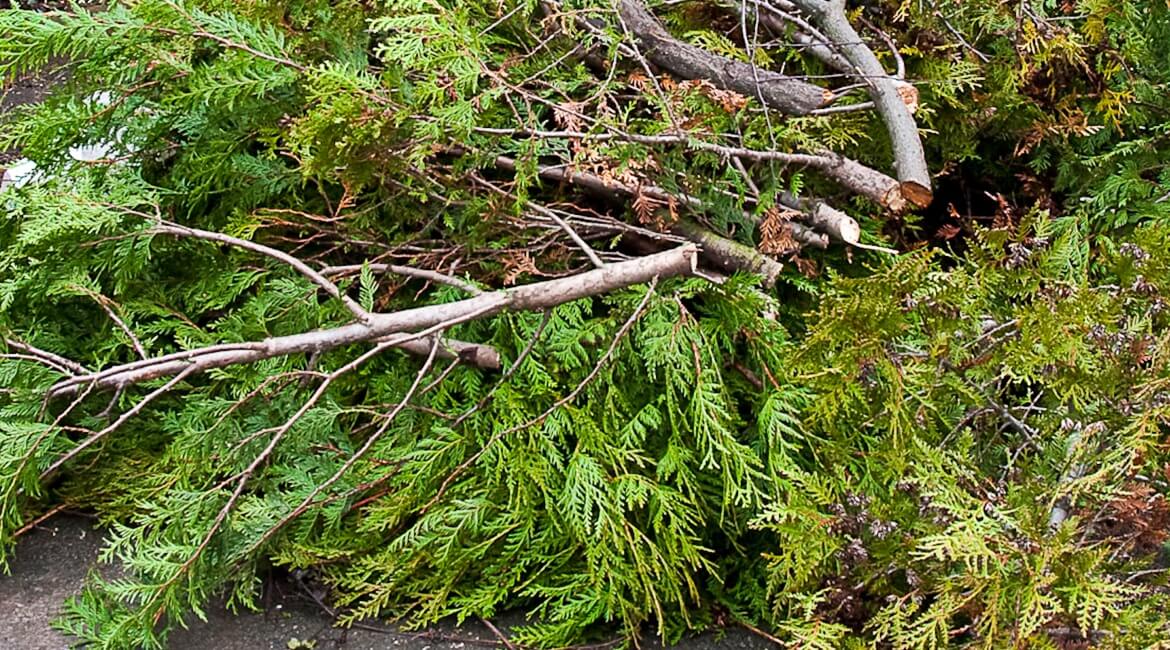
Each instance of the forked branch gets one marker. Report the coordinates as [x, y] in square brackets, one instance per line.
[534, 297]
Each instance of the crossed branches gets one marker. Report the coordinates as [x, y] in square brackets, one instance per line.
[793, 96]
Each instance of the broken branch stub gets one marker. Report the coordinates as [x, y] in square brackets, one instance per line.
[822, 217]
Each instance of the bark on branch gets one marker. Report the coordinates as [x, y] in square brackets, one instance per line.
[796, 97]
[825, 218]
[850, 174]
[477, 354]
[909, 159]
[729, 255]
[724, 253]
[533, 297]
[778, 91]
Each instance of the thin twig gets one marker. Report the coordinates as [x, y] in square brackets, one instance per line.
[408, 271]
[105, 303]
[499, 635]
[54, 361]
[561, 402]
[166, 228]
[307, 502]
[90, 441]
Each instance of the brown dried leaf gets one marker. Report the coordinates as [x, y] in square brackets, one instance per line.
[568, 115]
[645, 207]
[948, 232]
[806, 267]
[1004, 213]
[672, 208]
[517, 264]
[776, 233]
[640, 81]
[729, 100]
[1139, 520]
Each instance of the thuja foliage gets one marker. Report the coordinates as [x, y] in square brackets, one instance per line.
[922, 451]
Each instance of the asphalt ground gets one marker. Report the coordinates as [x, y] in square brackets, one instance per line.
[52, 560]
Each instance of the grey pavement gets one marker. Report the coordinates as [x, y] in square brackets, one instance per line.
[52, 560]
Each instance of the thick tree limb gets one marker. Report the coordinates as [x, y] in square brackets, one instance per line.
[909, 158]
[781, 92]
[533, 297]
[728, 255]
[867, 182]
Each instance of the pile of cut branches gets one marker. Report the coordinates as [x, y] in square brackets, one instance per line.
[471, 305]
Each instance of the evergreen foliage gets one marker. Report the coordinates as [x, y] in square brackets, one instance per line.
[960, 446]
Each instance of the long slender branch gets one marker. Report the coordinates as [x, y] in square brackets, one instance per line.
[115, 425]
[720, 248]
[307, 502]
[805, 35]
[165, 228]
[851, 174]
[408, 271]
[54, 361]
[533, 297]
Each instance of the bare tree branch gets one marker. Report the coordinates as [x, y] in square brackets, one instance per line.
[849, 173]
[54, 361]
[825, 218]
[729, 255]
[408, 271]
[165, 228]
[909, 158]
[533, 297]
[805, 35]
[477, 354]
[781, 92]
